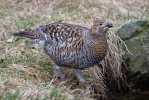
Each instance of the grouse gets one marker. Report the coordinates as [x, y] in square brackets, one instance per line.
[71, 46]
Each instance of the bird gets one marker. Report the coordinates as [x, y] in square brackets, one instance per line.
[71, 46]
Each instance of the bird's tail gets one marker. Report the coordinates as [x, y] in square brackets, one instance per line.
[29, 33]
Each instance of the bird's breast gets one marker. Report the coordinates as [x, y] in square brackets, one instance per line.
[97, 49]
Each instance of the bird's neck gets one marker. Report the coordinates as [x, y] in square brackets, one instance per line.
[91, 36]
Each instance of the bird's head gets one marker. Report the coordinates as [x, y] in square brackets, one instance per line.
[101, 27]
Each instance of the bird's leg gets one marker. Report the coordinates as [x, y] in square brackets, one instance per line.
[78, 73]
[58, 72]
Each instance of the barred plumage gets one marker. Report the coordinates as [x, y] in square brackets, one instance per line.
[71, 46]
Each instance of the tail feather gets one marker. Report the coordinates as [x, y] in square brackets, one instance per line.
[29, 33]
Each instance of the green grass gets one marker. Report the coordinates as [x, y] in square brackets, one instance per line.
[24, 23]
[11, 96]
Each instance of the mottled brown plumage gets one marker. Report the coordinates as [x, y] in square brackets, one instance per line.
[71, 45]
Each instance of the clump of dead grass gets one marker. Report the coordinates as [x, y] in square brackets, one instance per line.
[113, 63]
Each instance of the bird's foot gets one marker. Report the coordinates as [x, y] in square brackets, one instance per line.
[58, 73]
[79, 76]
[63, 77]
[84, 85]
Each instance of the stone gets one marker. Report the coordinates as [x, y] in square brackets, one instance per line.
[135, 33]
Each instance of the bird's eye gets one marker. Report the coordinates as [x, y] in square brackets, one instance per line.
[100, 24]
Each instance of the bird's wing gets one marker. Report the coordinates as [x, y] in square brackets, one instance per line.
[60, 32]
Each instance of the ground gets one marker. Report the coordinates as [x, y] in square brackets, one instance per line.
[25, 70]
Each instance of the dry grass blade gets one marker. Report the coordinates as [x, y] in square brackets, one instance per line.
[113, 61]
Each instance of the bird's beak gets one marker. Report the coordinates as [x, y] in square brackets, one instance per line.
[109, 25]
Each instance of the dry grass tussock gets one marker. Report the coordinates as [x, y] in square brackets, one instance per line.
[29, 70]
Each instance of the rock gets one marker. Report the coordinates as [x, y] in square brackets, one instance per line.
[135, 33]
[132, 28]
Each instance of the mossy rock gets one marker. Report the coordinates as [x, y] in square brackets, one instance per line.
[135, 34]
[133, 28]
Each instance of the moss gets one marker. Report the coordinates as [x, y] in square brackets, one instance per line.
[137, 47]
[133, 28]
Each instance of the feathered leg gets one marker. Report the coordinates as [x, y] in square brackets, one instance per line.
[58, 72]
[79, 75]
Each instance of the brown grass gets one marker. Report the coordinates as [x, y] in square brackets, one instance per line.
[28, 69]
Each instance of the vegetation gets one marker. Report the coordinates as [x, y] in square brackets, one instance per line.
[26, 71]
